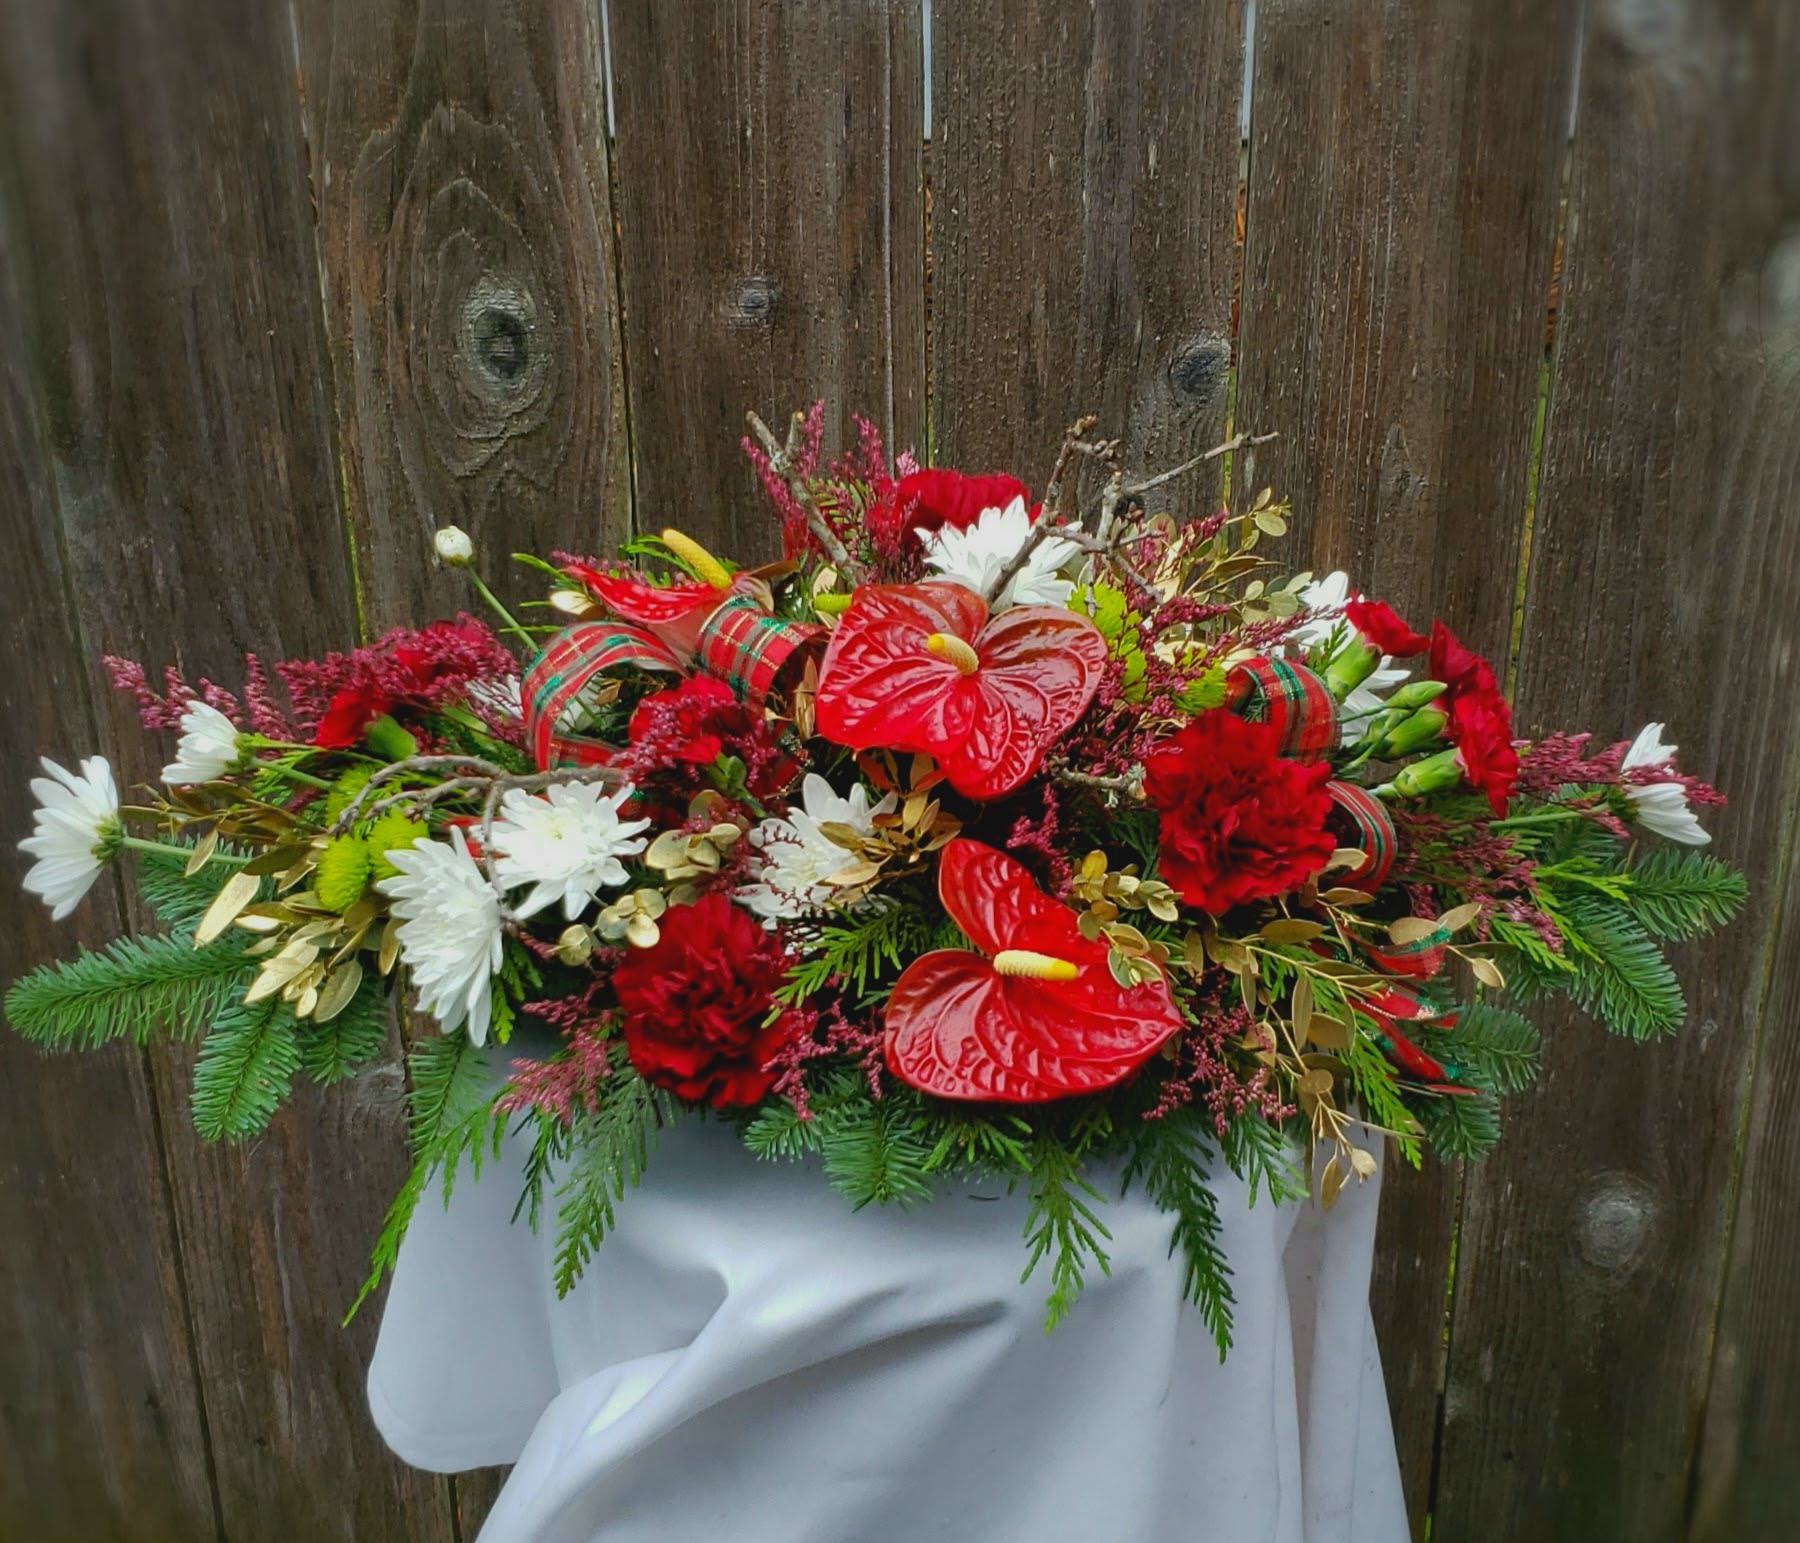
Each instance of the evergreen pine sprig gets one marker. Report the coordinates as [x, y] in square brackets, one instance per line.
[1678, 895]
[859, 950]
[1169, 1157]
[1620, 975]
[611, 1148]
[245, 1070]
[134, 986]
[1063, 1225]
[1265, 1157]
[337, 1048]
[1491, 1048]
[1460, 1124]
[875, 1153]
[450, 1117]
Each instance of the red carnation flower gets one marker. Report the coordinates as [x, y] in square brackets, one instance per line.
[929, 500]
[1240, 821]
[690, 722]
[1377, 621]
[420, 670]
[692, 1006]
[1480, 722]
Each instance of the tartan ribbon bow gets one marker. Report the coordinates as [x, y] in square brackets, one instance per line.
[740, 643]
[1304, 713]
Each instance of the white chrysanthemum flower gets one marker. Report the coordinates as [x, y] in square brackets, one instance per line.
[976, 557]
[207, 749]
[797, 857]
[449, 931]
[1661, 806]
[1329, 594]
[567, 842]
[74, 833]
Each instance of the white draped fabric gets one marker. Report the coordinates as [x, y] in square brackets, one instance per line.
[747, 1360]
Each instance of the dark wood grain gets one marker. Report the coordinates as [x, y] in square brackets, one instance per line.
[1084, 194]
[1665, 581]
[1405, 162]
[772, 239]
[176, 351]
[101, 1429]
[459, 156]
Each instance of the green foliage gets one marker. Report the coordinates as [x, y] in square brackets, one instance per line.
[611, 1148]
[1620, 975]
[1489, 1048]
[1377, 1084]
[874, 1152]
[392, 832]
[1265, 1158]
[180, 899]
[519, 979]
[1062, 1225]
[1169, 1157]
[550, 1139]
[134, 986]
[245, 1070]
[1460, 1125]
[858, 950]
[333, 1050]
[1677, 895]
[450, 1116]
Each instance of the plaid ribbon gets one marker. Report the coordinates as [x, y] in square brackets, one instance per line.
[1420, 959]
[750, 650]
[1297, 702]
[1361, 820]
[571, 662]
[1403, 1003]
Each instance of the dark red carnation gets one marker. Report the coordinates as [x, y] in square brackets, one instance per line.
[692, 1007]
[690, 725]
[931, 499]
[1480, 723]
[1240, 822]
[1377, 621]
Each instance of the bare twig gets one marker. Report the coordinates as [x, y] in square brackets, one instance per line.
[1236, 442]
[1131, 785]
[487, 778]
[1072, 443]
[782, 460]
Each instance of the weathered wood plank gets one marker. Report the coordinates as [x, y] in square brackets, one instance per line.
[101, 1429]
[1084, 195]
[172, 311]
[1405, 160]
[772, 250]
[1665, 580]
[459, 155]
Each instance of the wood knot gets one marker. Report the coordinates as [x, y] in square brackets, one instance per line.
[1198, 369]
[500, 341]
[755, 302]
[1616, 1220]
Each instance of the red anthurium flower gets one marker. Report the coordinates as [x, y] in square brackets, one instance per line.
[1036, 1015]
[922, 667]
[674, 613]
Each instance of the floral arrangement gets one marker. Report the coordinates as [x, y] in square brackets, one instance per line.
[979, 836]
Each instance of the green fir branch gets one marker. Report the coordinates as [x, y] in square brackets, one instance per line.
[134, 986]
[1677, 895]
[1265, 1157]
[1062, 1225]
[1488, 1047]
[874, 1153]
[1169, 1157]
[1620, 976]
[611, 1149]
[858, 950]
[337, 1048]
[1459, 1124]
[245, 1069]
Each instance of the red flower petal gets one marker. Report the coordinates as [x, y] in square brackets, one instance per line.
[959, 1029]
[881, 688]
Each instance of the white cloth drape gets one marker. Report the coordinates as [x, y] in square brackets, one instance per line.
[748, 1361]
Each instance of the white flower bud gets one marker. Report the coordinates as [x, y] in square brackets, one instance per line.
[454, 545]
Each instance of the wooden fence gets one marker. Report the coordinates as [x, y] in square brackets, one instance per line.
[282, 287]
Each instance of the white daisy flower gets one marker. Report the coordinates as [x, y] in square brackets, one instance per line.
[567, 842]
[796, 855]
[1660, 806]
[976, 557]
[207, 749]
[449, 931]
[74, 833]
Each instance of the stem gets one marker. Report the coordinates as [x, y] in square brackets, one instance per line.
[294, 774]
[1544, 817]
[509, 622]
[182, 854]
[781, 463]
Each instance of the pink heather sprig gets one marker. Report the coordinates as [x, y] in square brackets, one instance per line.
[830, 1034]
[164, 711]
[1204, 1072]
[573, 1078]
[1040, 836]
